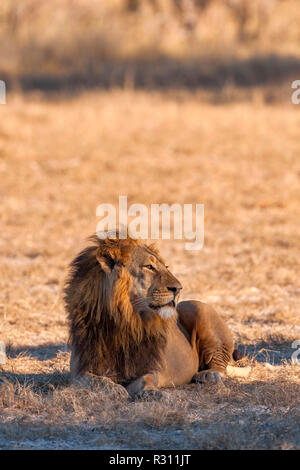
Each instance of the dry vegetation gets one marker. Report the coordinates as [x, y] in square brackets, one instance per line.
[59, 160]
[235, 149]
[68, 44]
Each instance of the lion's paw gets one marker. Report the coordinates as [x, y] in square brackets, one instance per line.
[208, 376]
[149, 395]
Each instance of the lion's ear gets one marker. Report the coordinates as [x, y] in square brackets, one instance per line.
[106, 263]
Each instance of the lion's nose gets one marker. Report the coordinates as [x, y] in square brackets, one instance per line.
[175, 289]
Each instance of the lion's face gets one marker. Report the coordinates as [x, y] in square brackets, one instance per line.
[154, 288]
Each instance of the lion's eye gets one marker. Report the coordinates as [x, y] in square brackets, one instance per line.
[149, 266]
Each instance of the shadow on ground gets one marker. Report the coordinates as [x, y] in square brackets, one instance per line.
[270, 351]
[42, 382]
[164, 73]
[42, 352]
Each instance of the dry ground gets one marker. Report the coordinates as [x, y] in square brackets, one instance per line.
[59, 159]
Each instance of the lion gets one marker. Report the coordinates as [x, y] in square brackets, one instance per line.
[126, 324]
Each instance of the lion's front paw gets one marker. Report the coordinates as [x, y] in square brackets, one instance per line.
[149, 395]
[208, 376]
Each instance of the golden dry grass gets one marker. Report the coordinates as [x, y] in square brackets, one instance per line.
[61, 158]
[86, 43]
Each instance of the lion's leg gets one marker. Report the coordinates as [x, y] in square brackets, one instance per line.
[85, 379]
[147, 386]
[74, 367]
[211, 337]
[92, 381]
[213, 362]
[210, 375]
[146, 382]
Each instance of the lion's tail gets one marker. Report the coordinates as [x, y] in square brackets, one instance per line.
[237, 355]
[238, 371]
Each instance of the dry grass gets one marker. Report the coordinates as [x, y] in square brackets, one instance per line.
[240, 42]
[59, 159]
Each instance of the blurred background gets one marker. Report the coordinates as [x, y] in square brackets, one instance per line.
[68, 44]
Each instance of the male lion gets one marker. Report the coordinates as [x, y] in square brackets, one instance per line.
[125, 323]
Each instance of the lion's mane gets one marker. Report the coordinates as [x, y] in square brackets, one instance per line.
[108, 337]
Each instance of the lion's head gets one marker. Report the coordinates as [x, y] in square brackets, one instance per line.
[120, 297]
